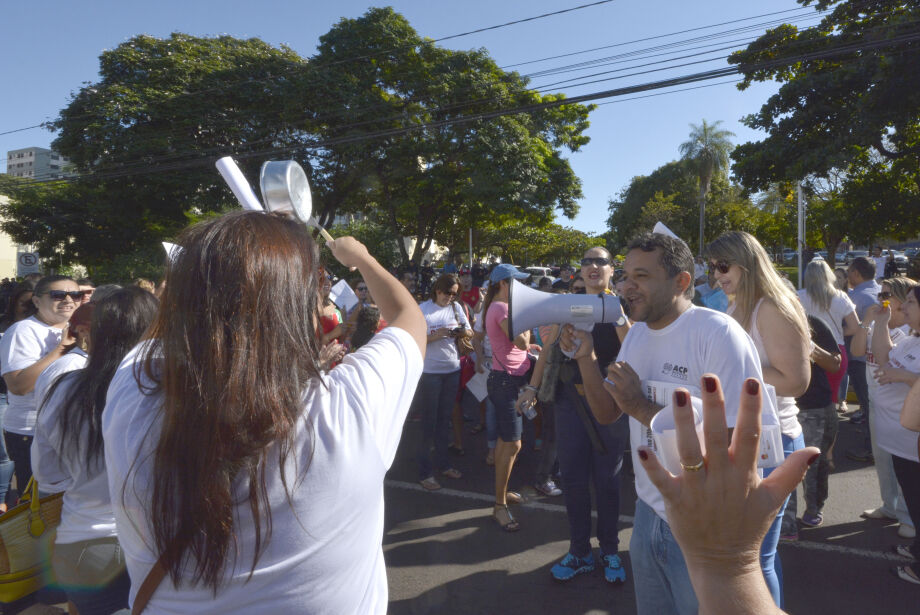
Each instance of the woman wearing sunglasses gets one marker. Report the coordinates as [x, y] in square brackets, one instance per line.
[27, 348]
[899, 370]
[68, 455]
[896, 292]
[769, 310]
[440, 380]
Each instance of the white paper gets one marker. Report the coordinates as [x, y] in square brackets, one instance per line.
[477, 385]
[343, 296]
[172, 251]
[661, 229]
[238, 184]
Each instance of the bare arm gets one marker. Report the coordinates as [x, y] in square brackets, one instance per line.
[603, 405]
[881, 340]
[829, 362]
[522, 341]
[910, 415]
[396, 305]
[850, 324]
[787, 352]
[22, 381]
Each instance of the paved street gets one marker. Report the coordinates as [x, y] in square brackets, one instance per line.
[445, 554]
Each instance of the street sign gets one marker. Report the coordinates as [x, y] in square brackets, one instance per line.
[26, 263]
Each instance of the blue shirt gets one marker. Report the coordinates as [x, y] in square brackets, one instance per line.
[863, 296]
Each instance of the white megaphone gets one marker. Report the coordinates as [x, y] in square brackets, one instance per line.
[529, 308]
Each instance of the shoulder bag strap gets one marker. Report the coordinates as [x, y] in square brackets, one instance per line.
[148, 587]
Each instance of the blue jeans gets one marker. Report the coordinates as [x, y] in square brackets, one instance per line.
[434, 397]
[769, 562]
[856, 369]
[6, 464]
[660, 573]
[582, 466]
[503, 392]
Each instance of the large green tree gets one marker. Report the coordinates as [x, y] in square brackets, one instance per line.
[454, 170]
[707, 148]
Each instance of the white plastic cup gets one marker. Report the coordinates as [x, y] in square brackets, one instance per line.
[664, 435]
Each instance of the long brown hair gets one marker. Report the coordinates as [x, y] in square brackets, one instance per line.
[233, 349]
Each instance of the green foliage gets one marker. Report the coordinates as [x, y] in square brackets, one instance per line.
[378, 239]
[527, 244]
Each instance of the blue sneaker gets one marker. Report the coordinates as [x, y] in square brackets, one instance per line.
[570, 566]
[613, 569]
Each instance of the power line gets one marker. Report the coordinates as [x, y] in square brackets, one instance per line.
[665, 83]
[513, 23]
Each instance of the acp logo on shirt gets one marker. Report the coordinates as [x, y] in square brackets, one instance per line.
[675, 371]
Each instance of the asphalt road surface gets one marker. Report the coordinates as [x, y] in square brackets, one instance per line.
[446, 555]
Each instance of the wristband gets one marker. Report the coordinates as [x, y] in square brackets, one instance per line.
[530, 387]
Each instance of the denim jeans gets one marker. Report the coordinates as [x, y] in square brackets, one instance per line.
[491, 423]
[582, 466]
[435, 399]
[819, 428]
[19, 448]
[660, 573]
[548, 454]
[6, 464]
[857, 373]
[893, 502]
[769, 562]
[503, 391]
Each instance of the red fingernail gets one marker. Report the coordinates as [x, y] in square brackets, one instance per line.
[814, 458]
[681, 397]
[643, 455]
[710, 383]
[753, 387]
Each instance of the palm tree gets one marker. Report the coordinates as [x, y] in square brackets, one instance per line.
[708, 148]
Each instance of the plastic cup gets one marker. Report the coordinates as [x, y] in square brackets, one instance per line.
[664, 435]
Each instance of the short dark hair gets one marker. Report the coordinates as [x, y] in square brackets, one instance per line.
[675, 255]
[42, 287]
[863, 267]
[85, 282]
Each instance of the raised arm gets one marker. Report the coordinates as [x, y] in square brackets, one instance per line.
[396, 305]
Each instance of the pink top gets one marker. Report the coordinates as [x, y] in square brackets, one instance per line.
[506, 357]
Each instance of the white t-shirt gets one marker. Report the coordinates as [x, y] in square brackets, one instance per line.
[880, 262]
[896, 335]
[889, 400]
[841, 307]
[700, 341]
[325, 554]
[23, 345]
[441, 356]
[87, 508]
[73, 360]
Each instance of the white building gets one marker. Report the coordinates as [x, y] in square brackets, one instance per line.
[37, 163]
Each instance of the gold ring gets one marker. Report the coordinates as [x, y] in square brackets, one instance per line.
[696, 467]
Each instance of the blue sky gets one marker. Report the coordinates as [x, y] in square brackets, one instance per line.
[51, 49]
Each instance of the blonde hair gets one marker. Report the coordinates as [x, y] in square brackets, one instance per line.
[900, 287]
[759, 280]
[820, 284]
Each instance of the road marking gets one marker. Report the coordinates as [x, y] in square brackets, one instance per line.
[806, 545]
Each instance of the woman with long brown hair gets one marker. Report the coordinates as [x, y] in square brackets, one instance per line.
[242, 478]
[769, 310]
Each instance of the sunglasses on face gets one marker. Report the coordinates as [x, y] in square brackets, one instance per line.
[360, 288]
[884, 296]
[579, 290]
[721, 266]
[60, 295]
[448, 293]
[600, 261]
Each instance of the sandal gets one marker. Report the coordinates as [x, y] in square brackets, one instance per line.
[904, 573]
[456, 450]
[513, 497]
[452, 473]
[430, 484]
[503, 517]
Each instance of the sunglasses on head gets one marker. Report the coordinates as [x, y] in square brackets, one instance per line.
[600, 261]
[721, 266]
[60, 295]
[884, 296]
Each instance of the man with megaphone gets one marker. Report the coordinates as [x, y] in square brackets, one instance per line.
[588, 452]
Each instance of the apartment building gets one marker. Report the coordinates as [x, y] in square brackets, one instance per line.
[37, 163]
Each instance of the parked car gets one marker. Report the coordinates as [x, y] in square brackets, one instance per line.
[911, 252]
[900, 259]
[913, 266]
[538, 272]
[848, 258]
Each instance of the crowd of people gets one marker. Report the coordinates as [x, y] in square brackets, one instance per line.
[111, 390]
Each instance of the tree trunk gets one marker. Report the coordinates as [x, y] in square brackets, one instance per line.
[704, 189]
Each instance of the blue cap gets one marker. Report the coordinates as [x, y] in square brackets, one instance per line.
[505, 271]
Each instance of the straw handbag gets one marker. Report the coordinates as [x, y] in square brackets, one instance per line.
[26, 538]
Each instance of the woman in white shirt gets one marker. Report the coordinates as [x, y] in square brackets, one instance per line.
[895, 291]
[899, 371]
[768, 309]
[440, 380]
[27, 348]
[243, 479]
[67, 456]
